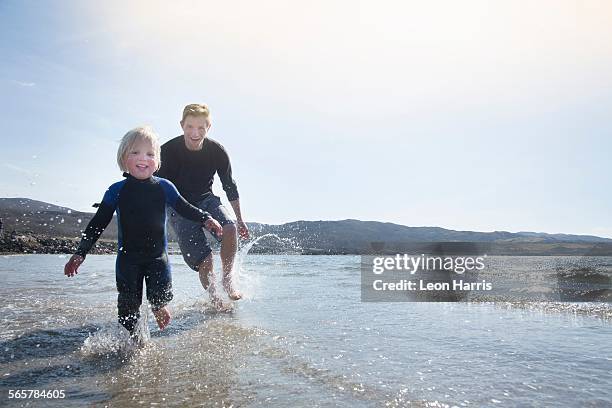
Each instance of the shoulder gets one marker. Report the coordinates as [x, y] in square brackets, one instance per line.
[116, 187]
[112, 193]
[216, 147]
[214, 144]
[172, 144]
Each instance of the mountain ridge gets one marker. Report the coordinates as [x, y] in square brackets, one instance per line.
[350, 236]
[27, 206]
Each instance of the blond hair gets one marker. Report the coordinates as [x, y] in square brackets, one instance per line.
[145, 133]
[196, 109]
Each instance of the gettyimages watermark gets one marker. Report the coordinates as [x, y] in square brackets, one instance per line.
[469, 271]
[413, 264]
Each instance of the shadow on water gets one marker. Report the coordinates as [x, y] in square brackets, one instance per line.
[60, 350]
[45, 343]
[49, 376]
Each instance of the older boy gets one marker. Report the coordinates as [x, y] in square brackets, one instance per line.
[191, 161]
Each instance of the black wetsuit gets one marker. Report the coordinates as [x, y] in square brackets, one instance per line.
[193, 171]
[142, 252]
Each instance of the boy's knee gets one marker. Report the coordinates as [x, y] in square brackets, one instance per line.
[206, 264]
[229, 230]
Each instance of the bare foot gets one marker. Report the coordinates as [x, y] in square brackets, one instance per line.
[217, 303]
[162, 316]
[232, 292]
[235, 295]
[215, 300]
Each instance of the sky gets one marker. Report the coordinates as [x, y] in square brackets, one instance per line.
[471, 115]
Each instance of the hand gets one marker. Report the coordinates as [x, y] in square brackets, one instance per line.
[243, 230]
[72, 265]
[213, 226]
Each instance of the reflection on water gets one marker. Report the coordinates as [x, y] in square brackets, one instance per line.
[302, 337]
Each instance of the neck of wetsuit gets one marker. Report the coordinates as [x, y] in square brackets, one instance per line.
[132, 178]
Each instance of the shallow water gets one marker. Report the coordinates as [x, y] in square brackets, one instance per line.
[302, 337]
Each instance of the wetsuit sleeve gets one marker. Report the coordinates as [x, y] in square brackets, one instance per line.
[176, 201]
[224, 170]
[99, 222]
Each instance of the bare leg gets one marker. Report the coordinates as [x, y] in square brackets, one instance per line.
[208, 280]
[228, 253]
[204, 270]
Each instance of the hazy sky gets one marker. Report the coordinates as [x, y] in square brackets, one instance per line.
[473, 115]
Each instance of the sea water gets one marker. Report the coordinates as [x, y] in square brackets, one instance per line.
[300, 337]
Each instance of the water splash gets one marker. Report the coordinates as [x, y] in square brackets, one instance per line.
[248, 281]
[141, 331]
[116, 339]
[108, 340]
[287, 241]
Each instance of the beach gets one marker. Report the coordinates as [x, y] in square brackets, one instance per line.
[301, 337]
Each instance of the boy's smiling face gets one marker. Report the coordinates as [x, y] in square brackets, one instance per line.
[195, 129]
[141, 160]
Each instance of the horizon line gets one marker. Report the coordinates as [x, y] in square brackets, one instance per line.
[355, 219]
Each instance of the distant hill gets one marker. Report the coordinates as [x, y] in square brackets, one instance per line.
[37, 217]
[345, 236]
[19, 204]
[356, 237]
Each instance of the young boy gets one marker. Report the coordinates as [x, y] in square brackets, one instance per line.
[140, 202]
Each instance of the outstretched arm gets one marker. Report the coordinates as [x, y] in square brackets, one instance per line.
[224, 170]
[94, 229]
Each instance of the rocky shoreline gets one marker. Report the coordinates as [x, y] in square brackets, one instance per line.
[29, 243]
